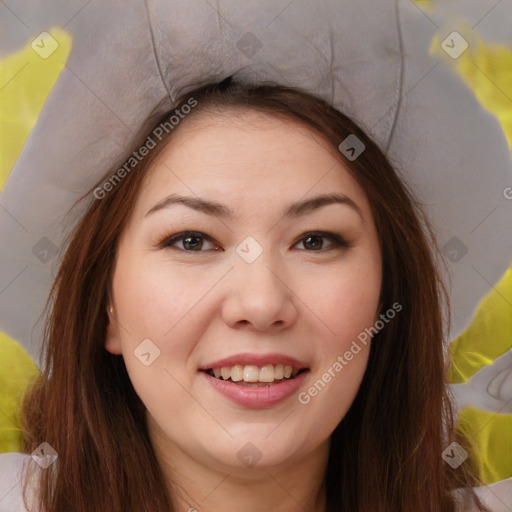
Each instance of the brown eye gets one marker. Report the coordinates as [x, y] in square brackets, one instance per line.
[190, 241]
[314, 241]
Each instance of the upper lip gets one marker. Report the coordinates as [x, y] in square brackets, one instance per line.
[256, 360]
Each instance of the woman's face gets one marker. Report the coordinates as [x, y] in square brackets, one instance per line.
[253, 291]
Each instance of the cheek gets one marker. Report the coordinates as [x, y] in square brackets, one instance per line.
[154, 301]
[347, 309]
[329, 395]
[167, 306]
[346, 301]
[157, 305]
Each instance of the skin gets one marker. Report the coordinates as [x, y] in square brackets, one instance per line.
[200, 306]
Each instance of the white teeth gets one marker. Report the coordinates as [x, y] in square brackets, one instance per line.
[252, 373]
[267, 373]
[237, 373]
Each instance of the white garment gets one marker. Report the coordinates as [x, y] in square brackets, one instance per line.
[11, 465]
[498, 496]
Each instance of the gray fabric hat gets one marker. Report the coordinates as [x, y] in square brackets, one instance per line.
[131, 59]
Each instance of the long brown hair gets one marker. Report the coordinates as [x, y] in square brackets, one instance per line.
[385, 455]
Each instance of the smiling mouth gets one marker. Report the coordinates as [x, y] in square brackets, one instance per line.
[255, 376]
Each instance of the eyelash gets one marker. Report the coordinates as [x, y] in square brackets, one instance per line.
[338, 241]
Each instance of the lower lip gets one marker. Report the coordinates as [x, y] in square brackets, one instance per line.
[258, 397]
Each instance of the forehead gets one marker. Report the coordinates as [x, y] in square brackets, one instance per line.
[241, 132]
[247, 156]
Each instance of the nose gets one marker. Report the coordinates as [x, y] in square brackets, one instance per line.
[259, 296]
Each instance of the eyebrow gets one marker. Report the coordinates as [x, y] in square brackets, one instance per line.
[214, 208]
